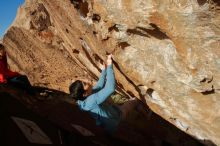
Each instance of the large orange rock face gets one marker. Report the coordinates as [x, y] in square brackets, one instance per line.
[165, 52]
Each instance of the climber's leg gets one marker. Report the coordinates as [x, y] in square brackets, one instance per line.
[128, 107]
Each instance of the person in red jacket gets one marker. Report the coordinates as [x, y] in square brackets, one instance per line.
[5, 72]
[10, 77]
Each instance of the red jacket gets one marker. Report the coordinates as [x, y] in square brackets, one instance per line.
[5, 73]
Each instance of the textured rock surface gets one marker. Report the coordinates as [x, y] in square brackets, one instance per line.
[166, 52]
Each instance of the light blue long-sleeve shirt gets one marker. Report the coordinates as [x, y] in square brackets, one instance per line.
[106, 115]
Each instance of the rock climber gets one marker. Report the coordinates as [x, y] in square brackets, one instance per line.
[93, 99]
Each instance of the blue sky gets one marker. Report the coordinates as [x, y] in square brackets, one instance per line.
[8, 10]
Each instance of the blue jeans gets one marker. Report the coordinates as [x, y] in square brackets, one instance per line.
[21, 82]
